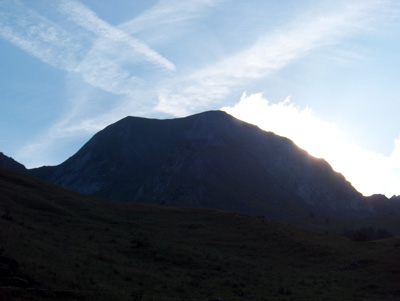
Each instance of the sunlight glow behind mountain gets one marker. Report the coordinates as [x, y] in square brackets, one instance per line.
[368, 171]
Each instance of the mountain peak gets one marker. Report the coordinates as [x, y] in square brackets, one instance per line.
[206, 114]
[209, 159]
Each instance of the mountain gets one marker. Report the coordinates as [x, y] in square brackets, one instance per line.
[206, 160]
[11, 163]
[69, 246]
[383, 204]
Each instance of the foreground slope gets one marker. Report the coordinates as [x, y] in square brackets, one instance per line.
[206, 160]
[72, 247]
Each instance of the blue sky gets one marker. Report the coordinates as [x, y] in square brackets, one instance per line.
[323, 73]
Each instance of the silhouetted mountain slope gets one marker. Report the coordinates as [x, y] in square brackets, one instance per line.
[11, 163]
[206, 160]
[383, 204]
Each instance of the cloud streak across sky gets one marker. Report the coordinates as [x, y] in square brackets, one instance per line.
[86, 18]
[52, 44]
[38, 36]
[130, 70]
[269, 53]
[106, 64]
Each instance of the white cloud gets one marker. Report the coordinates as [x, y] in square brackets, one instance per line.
[271, 52]
[167, 18]
[285, 119]
[102, 68]
[39, 36]
[368, 171]
[105, 65]
[86, 18]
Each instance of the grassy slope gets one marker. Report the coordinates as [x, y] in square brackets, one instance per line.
[76, 247]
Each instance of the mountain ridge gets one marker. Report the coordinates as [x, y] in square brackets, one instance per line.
[210, 159]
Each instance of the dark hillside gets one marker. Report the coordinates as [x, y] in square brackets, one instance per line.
[73, 247]
[11, 163]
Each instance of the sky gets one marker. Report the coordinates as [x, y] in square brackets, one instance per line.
[323, 73]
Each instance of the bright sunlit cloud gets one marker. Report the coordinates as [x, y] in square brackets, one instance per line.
[368, 171]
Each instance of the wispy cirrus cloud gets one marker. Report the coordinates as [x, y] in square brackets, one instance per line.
[183, 93]
[168, 19]
[86, 18]
[95, 49]
[271, 52]
[39, 36]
